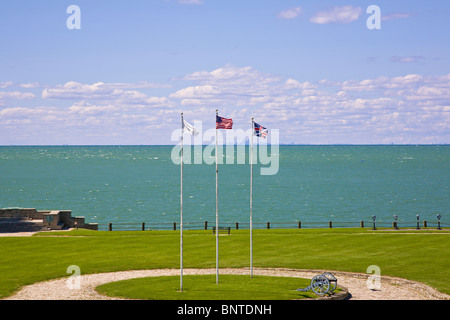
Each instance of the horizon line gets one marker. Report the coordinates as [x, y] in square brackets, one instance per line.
[246, 144]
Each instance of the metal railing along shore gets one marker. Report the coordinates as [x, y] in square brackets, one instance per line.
[206, 225]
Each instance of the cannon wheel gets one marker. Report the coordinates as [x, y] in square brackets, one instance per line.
[332, 280]
[320, 284]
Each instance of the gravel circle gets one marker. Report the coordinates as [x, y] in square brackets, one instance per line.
[356, 283]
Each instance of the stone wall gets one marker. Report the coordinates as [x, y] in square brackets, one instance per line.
[24, 213]
[51, 219]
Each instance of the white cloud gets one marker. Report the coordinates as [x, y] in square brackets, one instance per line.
[107, 92]
[408, 80]
[75, 90]
[6, 84]
[198, 92]
[137, 85]
[290, 13]
[380, 83]
[345, 14]
[16, 95]
[230, 74]
[99, 90]
[15, 112]
[294, 84]
[364, 111]
[29, 85]
[84, 108]
[25, 115]
[410, 108]
[227, 85]
[427, 93]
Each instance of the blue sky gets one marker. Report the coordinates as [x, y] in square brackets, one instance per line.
[311, 69]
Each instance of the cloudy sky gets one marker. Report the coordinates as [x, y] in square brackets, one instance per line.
[314, 70]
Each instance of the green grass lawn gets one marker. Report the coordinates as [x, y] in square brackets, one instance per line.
[204, 287]
[416, 255]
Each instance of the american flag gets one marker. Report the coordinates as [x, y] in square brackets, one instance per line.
[260, 131]
[223, 123]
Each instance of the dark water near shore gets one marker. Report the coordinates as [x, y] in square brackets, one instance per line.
[314, 183]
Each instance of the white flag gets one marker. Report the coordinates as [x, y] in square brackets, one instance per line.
[189, 128]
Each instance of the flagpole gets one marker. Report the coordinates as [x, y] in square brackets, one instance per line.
[181, 209]
[217, 209]
[251, 201]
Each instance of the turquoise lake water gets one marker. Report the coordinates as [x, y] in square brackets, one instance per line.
[135, 184]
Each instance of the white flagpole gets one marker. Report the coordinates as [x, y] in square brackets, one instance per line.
[181, 209]
[217, 209]
[251, 201]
